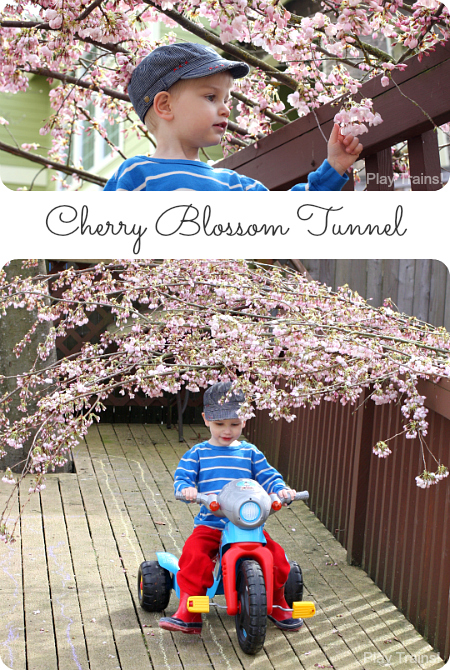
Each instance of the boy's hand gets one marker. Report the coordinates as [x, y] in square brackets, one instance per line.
[190, 493]
[285, 493]
[343, 150]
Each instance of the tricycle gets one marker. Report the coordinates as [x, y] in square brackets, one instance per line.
[244, 567]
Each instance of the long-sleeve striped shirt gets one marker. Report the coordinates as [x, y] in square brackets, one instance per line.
[209, 468]
[141, 173]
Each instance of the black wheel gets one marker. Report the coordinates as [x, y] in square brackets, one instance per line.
[293, 589]
[251, 620]
[154, 585]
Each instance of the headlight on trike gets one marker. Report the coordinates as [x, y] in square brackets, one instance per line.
[250, 512]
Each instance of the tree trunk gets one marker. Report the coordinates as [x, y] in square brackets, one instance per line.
[13, 327]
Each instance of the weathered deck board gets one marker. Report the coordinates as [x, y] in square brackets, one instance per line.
[12, 624]
[112, 534]
[79, 545]
[67, 618]
[98, 633]
[39, 630]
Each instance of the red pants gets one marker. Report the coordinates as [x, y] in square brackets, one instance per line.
[196, 563]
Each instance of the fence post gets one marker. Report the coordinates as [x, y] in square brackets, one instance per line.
[379, 167]
[360, 480]
[424, 164]
[350, 185]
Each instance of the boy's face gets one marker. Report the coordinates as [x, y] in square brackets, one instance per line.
[200, 110]
[224, 431]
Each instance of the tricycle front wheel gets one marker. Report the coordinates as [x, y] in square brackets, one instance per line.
[251, 619]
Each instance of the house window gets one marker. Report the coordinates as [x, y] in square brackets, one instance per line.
[88, 142]
[94, 151]
[113, 136]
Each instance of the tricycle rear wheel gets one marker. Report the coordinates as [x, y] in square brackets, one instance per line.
[251, 620]
[154, 586]
[293, 589]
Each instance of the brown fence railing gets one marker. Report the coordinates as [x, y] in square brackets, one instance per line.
[411, 107]
[398, 533]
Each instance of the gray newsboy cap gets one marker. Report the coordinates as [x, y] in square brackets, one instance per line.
[214, 410]
[166, 65]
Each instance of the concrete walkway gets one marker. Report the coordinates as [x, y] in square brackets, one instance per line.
[68, 595]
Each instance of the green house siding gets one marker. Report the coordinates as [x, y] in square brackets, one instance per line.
[26, 112]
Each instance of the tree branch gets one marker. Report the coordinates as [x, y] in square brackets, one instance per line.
[333, 57]
[54, 165]
[374, 51]
[96, 127]
[237, 142]
[26, 24]
[409, 52]
[267, 112]
[77, 81]
[410, 10]
[89, 9]
[108, 46]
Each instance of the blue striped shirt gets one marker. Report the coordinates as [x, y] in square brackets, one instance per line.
[209, 468]
[141, 173]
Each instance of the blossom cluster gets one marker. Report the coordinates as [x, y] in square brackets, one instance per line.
[323, 57]
[381, 450]
[427, 479]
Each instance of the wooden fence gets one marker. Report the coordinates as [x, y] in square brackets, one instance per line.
[399, 533]
[417, 99]
[418, 287]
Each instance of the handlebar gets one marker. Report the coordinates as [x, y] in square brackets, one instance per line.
[202, 498]
[300, 495]
[207, 499]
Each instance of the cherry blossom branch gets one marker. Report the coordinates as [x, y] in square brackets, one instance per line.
[77, 81]
[107, 46]
[54, 165]
[414, 102]
[252, 103]
[89, 9]
[96, 126]
[410, 51]
[370, 48]
[331, 56]
[409, 8]
[26, 24]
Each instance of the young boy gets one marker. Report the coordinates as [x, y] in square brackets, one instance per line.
[181, 93]
[207, 467]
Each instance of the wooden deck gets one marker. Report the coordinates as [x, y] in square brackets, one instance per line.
[68, 596]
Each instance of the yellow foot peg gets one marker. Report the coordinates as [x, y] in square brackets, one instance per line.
[198, 604]
[303, 610]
